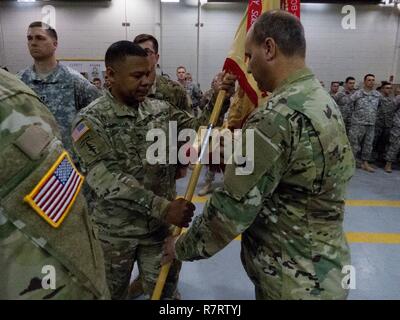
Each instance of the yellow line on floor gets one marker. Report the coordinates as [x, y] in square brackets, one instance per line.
[355, 237]
[364, 237]
[349, 203]
[373, 203]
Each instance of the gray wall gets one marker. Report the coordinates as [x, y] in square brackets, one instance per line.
[333, 53]
[87, 29]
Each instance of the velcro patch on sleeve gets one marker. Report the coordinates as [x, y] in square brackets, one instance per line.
[33, 141]
[265, 148]
[56, 192]
[79, 131]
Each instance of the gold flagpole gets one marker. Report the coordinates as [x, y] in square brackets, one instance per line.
[194, 178]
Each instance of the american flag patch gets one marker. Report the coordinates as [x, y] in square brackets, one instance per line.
[79, 131]
[56, 192]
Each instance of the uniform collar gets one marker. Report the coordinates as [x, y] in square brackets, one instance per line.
[121, 110]
[299, 75]
[145, 109]
[53, 77]
[373, 92]
[153, 89]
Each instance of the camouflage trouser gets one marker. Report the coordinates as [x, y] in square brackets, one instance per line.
[361, 138]
[196, 111]
[276, 276]
[394, 145]
[346, 115]
[27, 269]
[381, 141]
[120, 254]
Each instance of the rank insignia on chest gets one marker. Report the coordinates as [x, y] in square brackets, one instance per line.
[54, 195]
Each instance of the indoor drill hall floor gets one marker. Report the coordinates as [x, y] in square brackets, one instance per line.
[372, 225]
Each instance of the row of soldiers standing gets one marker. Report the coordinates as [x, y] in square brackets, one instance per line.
[372, 119]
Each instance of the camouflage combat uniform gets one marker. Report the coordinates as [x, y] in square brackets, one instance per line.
[384, 121]
[290, 208]
[206, 98]
[172, 92]
[394, 142]
[29, 146]
[332, 94]
[195, 94]
[241, 108]
[346, 105]
[363, 118]
[64, 92]
[167, 90]
[131, 195]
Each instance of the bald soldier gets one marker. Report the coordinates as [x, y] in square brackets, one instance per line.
[47, 252]
[290, 209]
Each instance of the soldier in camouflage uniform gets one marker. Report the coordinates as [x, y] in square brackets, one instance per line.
[397, 97]
[394, 142]
[344, 102]
[134, 200]
[290, 208]
[384, 121]
[167, 90]
[194, 92]
[334, 88]
[163, 89]
[170, 91]
[207, 96]
[363, 118]
[29, 146]
[63, 90]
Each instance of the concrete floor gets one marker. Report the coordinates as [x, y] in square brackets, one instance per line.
[374, 237]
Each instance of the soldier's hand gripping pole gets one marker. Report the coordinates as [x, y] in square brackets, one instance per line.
[194, 178]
